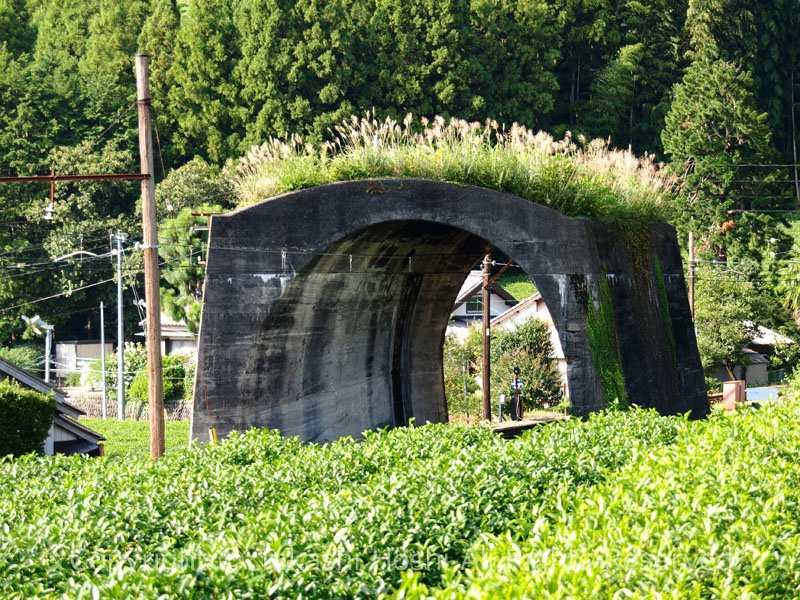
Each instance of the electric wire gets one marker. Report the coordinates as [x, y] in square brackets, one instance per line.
[72, 291]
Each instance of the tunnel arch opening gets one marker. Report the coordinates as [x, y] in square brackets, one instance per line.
[366, 318]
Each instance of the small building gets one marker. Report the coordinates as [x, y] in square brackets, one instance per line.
[468, 306]
[67, 435]
[756, 372]
[73, 355]
[765, 340]
[175, 336]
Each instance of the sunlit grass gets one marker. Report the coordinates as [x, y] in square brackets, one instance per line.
[125, 438]
[576, 177]
[518, 285]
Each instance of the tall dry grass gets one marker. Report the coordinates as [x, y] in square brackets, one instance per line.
[571, 176]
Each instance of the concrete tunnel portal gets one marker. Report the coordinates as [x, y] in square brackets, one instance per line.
[325, 309]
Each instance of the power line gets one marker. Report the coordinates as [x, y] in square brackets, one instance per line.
[6, 309]
[78, 289]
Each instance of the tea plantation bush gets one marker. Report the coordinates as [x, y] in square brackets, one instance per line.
[660, 507]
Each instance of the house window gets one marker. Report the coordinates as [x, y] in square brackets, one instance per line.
[475, 305]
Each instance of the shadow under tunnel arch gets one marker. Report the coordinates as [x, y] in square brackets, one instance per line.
[375, 303]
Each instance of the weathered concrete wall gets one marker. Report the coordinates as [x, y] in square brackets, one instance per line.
[325, 309]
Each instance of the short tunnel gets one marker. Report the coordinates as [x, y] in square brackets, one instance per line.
[325, 309]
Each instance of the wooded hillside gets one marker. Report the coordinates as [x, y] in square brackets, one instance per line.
[706, 85]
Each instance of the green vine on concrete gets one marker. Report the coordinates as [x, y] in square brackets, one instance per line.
[636, 233]
[604, 346]
[664, 305]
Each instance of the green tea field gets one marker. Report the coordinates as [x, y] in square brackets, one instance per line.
[625, 505]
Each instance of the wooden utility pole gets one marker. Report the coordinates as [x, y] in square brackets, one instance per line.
[151, 275]
[487, 386]
[691, 273]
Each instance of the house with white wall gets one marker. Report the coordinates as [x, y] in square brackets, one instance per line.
[175, 336]
[468, 306]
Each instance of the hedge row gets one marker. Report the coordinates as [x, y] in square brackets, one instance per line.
[25, 419]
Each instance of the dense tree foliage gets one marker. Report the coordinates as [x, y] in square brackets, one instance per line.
[724, 308]
[710, 85]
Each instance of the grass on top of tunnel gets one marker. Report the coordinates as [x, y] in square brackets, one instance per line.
[575, 177]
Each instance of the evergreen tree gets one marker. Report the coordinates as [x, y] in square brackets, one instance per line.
[760, 37]
[303, 66]
[181, 246]
[157, 39]
[16, 31]
[591, 35]
[112, 41]
[204, 99]
[63, 27]
[611, 112]
[711, 130]
[512, 55]
[630, 95]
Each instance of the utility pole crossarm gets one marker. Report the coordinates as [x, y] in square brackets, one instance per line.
[503, 270]
[109, 177]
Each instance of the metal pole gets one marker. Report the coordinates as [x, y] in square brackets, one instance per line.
[103, 359]
[48, 333]
[464, 376]
[500, 401]
[691, 273]
[487, 389]
[120, 336]
[151, 273]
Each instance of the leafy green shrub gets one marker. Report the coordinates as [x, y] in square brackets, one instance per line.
[273, 517]
[173, 380]
[712, 515]
[793, 382]
[25, 356]
[190, 368]
[622, 505]
[135, 362]
[74, 379]
[529, 348]
[785, 356]
[713, 385]
[25, 419]
[459, 371]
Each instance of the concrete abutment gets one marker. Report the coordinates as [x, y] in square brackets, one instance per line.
[325, 309]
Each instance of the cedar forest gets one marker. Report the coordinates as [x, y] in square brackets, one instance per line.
[708, 87]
